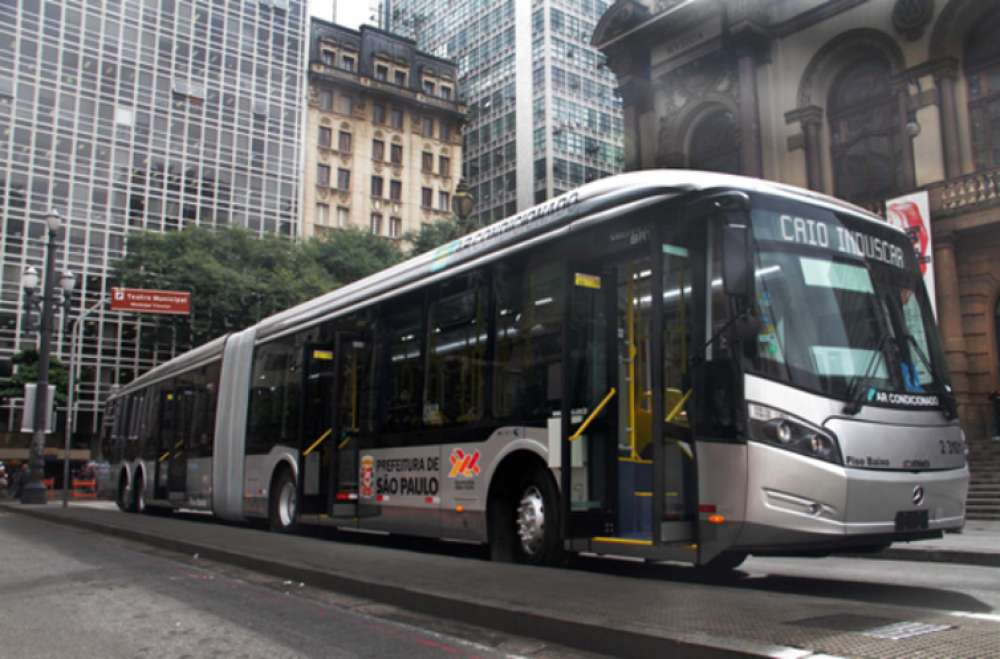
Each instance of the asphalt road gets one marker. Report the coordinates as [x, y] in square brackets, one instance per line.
[65, 592]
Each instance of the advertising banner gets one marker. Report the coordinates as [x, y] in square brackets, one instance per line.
[911, 213]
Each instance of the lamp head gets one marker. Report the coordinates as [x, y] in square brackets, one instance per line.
[53, 220]
[67, 281]
[30, 279]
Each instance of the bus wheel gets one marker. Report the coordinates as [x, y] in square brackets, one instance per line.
[283, 515]
[536, 521]
[123, 494]
[137, 502]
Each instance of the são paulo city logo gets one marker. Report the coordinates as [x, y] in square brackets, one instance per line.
[463, 465]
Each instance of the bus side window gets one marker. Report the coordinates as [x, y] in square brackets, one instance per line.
[457, 333]
[151, 426]
[275, 390]
[404, 365]
[528, 354]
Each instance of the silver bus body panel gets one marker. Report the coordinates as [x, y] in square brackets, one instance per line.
[230, 426]
[258, 472]
[199, 483]
[722, 482]
[418, 490]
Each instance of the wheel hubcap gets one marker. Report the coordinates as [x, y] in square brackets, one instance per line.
[531, 520]
[286, 504]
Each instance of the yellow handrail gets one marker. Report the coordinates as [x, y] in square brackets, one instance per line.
[597, 410]
[317, 442]
[679, 406]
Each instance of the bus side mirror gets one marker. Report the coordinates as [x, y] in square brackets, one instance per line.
[737, 277]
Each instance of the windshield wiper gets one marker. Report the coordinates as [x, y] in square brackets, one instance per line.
[859, 383]
[949, 409]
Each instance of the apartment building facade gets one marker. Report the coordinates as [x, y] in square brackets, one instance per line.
[383, 148]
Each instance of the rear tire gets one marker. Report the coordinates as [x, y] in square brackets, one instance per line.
[137, 502]
[525, 524]
[283, 515]
[122, 495]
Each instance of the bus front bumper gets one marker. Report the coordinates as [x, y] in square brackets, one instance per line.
[799, 502]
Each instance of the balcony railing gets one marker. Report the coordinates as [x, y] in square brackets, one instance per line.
[965, 192]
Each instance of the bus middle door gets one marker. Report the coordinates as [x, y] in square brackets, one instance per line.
[316, 455]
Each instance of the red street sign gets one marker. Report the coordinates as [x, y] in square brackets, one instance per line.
[145, 300]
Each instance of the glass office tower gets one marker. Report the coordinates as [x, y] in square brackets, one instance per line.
[127, 115]
[544, 116]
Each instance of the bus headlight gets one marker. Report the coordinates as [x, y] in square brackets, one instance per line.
[785, 431]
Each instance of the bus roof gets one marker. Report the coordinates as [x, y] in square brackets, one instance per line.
[635, 189]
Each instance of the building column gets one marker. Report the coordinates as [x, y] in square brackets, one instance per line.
[632, 70]
[945, 76]
[949, 307]
[810, 118]
[902, 89]
[750, 44]
[748, 118]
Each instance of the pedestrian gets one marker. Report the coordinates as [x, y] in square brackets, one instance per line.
[995, 399]
[18, 480]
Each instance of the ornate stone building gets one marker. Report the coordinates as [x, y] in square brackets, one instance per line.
[383, 133]
[865, 100]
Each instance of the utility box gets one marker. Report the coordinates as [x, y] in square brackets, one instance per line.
[28, 418]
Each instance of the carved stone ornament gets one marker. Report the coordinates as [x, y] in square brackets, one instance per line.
[621, 17]
[911, 17]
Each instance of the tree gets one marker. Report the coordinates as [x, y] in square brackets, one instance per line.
[350, 254]
[235, 277]
[435, 234]
[26, 362]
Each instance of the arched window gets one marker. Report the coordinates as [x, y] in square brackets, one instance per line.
[982, 70]
[864, 133]
[715, 145]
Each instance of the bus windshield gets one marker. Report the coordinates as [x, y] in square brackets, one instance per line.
[843, 308]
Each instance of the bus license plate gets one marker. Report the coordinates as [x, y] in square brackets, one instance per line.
[911, 520]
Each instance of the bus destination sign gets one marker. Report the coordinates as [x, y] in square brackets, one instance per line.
[144, 300]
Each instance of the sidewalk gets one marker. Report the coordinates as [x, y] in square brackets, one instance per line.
[978, 544]
[607, 606]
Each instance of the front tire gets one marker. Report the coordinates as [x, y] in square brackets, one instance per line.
[283, 510]
[525, 524]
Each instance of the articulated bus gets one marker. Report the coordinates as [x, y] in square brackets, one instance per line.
[669, 365]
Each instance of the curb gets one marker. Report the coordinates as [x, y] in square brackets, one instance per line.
[583, 636]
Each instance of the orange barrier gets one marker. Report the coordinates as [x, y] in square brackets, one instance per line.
[84, 489]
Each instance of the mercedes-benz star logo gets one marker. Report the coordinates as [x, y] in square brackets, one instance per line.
[918, 494]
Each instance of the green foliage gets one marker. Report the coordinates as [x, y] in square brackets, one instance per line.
[235, 278]
[26, 362]
[350, 254]
[435, 234]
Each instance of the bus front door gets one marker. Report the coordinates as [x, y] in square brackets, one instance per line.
[607, 411]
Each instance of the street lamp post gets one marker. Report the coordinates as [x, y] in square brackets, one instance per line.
[34, 490]
[462, 203]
